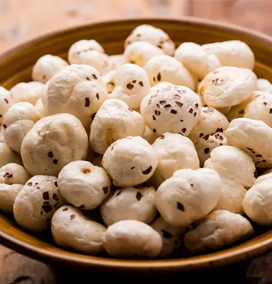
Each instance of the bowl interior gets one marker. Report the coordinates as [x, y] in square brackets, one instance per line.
[15, 67]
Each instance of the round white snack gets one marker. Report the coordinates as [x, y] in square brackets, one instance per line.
[174, 152]
[209, 122]
[140, 52]
[19, 119]
[53, 142]
[8, 156]
[132, 239]
[130, 204]
[231, 197]
[46, 67]
[130, 84]
[264, 85]
[164, 68]
[75, 89]
[206, 144]
[36, 203]
[188, 195]
[83, 46]
[231, 53]
[152, 35]
[239, 110]
[130, 161]
[233, 164]
[5, 102]
[72, 230]
[257, 201]
[27, 92]
[149, 135]
[171, 236]
[171, 108]
[253, 137]
[83, 184]
[116, 61]
[260, 108]
[227, 86]
[196, 60]
[220, 228]
[12, 179]
[40, 107]
[114, 120]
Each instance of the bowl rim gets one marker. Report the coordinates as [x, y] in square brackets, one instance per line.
[223, 257]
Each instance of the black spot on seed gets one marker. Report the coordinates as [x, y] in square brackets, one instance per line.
[191, 110]
[192, 185]
[166, 107]
[206, 137]
[46, 195]
[87, 102]
[141, 83]
[6, 101]
[166, 234]
[56, 184]
[94, 76]
[195, 114]
[154, 79]
[259, 156]
[250, 149]
[206, 150]
[162, 136]
[158, 105]
[4, 126]
[97, 96]
[159, 76]
[50, 155]
[72, 216]
[130, 86]
[201, 134]
[181, 120]
[1, 115]
[264, 161]
[46, 208]
[55, 161]
[147, 171]
[179, 104]
[154, 130]
[270, 110]
[219, 130]
[118, 193]
[88, 78]
[29, 184]
[173, 111]
[183, 130]
[241, 111]
[196, 105]
[139, 196]
[154, 117]
[64, 209]
[55, 197]
[157, 112]
[162, 102]
[132, 168]
[105, 189]
[180, 206]
[264, 103]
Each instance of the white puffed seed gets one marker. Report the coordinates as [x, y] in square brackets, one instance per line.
[253, 137]
[132, 239]
[209, 122]
[264, 85]
[27, 92]
[171, 108]
[5, 102]
[257, 201]
[260, 108]
[75, 89]
[129, 204]
[220, 228]
[227, 86]
[82, 46]
[174, 152]
[72, 230]
[231, 53]
[130, 84]
[152, 35]
[19, 119]
[130, 161]
[8, 156]
[140, 52]
[188, 196]
[233, 164]
[171, 236]
[206, 144]
[84, 185]
[196, 60]
[12, 179]
[36, 203]
[114, 120]
[231, 197]
[164, 68]
[46, 67]
[53, 142]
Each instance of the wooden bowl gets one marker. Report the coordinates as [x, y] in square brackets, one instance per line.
[15, 67]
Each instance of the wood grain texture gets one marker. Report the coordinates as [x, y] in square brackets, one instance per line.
[22, 20]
